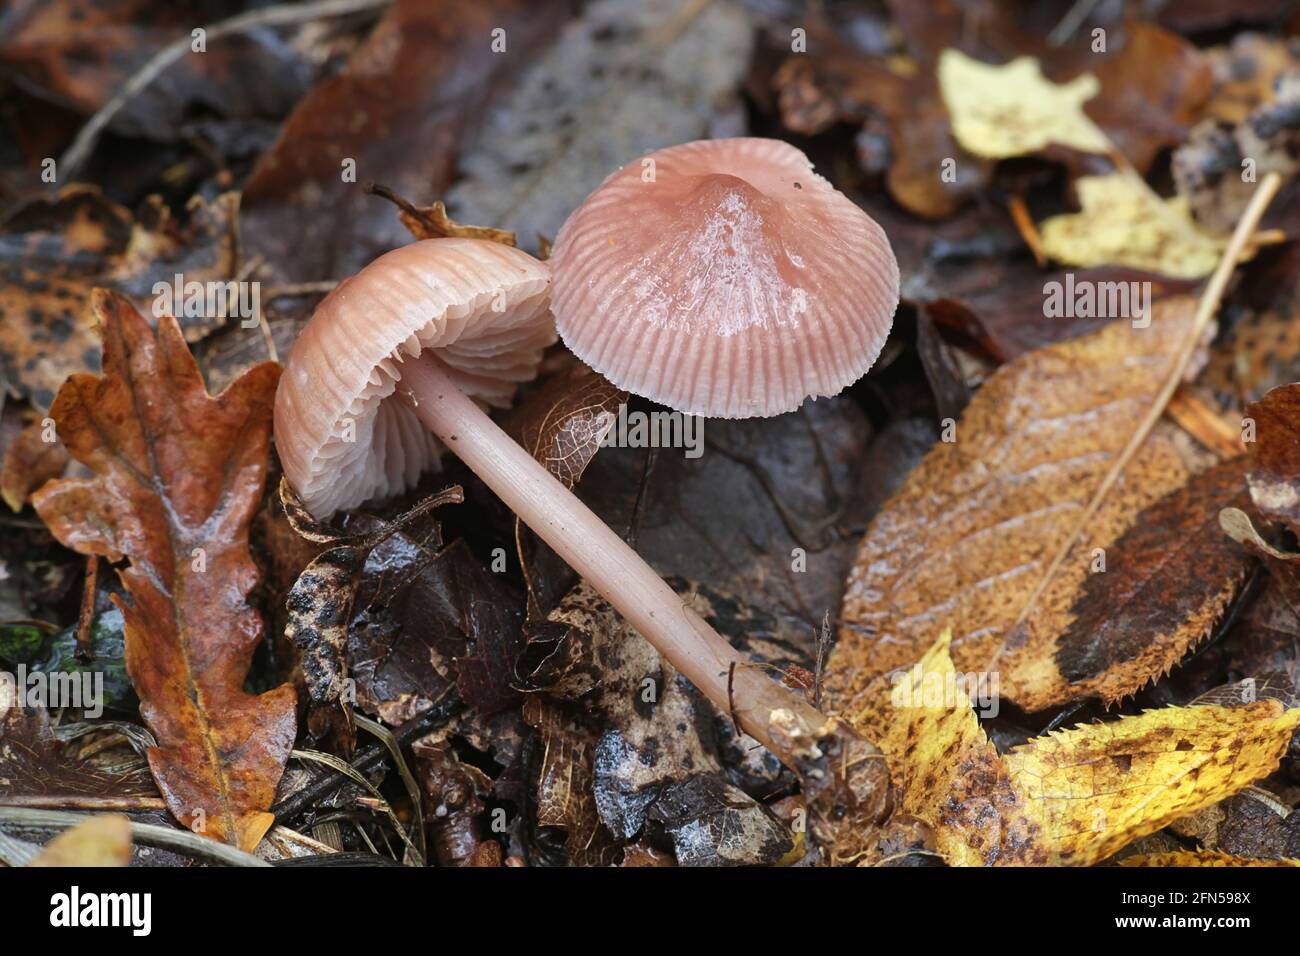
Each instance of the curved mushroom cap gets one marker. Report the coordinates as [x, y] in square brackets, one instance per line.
[343, 436]
[724, 278]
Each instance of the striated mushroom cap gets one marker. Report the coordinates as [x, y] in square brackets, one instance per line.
[724, 278]
[342, 435]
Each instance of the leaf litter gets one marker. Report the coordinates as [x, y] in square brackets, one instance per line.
[1000, 474]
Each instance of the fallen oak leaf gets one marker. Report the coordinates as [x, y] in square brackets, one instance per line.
[1073, 797]
[177, 476]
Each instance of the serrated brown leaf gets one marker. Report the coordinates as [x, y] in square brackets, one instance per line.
[974, 529]
[177, 477]
[1275, 455]
[1167, 581]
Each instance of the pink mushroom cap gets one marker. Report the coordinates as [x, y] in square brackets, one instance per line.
[724, 278]
[343, 434]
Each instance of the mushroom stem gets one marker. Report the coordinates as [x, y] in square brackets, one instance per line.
[604, 559]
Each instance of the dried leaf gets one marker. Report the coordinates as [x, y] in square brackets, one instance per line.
[79, 52]
[967, 539]
[1152, 90]
[54, 250]
[1275, 455]
[397, 114]
[1011, 110]
[562, 425]
[320, 608]
[178, 475]
[565, 794]
[1124, 223]
[1166, 582]
[30, 462]
[1073, 797]
[103, 840]
[713, 823]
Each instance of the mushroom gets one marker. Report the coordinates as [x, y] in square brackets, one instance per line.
[426, 333]
[724, 278]
[416, 341]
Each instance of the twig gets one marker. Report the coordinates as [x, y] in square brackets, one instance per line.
[79, 801]
[85, 620]
[301, 288]
[181, 841]
[283, 14]
[1206, 308]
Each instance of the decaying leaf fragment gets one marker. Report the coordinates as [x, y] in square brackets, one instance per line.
[103, 840]
[1011, 110]
[177, 477]
[320, 608]
[966, 540]
[1124, 223]
[55, 249]
[1072, 797]
[1275, 455]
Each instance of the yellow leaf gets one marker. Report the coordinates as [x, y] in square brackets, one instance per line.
[1098, 787]
[100, 841]
[1073, 797]
[949, 773]
[1201, 858]
[1124, 223]
[1011, 110]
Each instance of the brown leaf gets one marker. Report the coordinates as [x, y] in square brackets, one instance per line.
[966, 541]
[79, 52]
[1275, 455]
[30, 462]
[54, 250]
[177, 476]
[1167, 581]
[432, 222]
[564, 784]
[399, 112]
[1153, 88]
